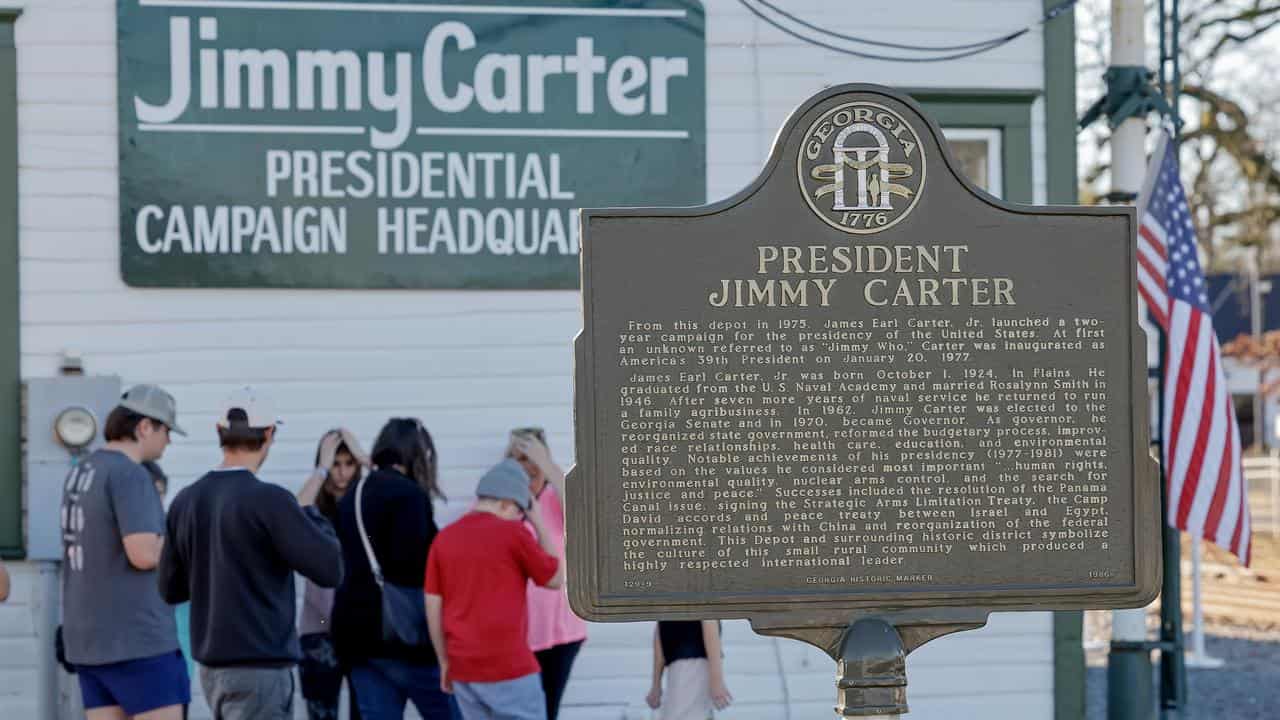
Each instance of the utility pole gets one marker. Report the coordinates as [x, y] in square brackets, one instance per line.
[1130, 692]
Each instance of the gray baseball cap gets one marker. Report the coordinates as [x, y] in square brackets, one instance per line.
[506, 481]
[152, 402]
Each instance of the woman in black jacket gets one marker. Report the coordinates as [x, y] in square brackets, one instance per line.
[398, 518]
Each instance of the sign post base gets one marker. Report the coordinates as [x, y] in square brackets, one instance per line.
[871, 651]
[871, 672]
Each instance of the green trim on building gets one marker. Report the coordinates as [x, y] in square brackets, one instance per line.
[11, 538]
[982, 94]
[1060, 106]
[1008, 112]
[1060, 151]
[1068, 665]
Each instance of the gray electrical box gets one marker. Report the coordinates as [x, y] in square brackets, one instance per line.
[86, 402]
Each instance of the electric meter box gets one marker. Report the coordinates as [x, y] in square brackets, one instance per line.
[83, 403]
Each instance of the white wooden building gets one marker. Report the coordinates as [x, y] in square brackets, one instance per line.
[474, 363]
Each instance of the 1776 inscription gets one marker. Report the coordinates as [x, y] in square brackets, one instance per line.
[849, 386]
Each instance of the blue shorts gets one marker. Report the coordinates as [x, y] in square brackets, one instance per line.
[137, 686]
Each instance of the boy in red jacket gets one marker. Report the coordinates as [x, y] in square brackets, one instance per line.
[477, 574]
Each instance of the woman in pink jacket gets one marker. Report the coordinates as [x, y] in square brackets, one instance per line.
[555, 633]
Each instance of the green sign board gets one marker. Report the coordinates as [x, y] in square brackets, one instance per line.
[309, 143]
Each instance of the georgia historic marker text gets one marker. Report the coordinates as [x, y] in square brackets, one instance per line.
[859, 383]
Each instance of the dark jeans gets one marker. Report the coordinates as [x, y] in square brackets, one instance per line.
[321, 677]
[556, 663]
[383, 686]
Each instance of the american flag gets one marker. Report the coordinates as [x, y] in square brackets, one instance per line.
[1206, 488]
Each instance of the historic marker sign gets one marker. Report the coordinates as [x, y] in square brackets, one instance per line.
[860, 383]
[397, 144]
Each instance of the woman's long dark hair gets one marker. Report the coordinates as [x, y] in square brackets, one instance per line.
[326, 503]
[405, 442]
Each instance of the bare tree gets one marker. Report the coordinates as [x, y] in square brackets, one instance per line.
[1231, 136]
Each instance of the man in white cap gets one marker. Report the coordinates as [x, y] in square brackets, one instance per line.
[118, 632]
[234, 544]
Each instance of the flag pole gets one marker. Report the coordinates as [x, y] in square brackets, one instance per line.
[1173, 668]
[1198, 657]
[1130, 691]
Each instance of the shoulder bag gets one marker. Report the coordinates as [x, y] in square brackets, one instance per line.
[404, 612]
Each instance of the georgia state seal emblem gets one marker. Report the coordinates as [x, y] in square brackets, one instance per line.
[861, 167]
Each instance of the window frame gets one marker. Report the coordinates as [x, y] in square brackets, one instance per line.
[1006, 111]
[994, 138]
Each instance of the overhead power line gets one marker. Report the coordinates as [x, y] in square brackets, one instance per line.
[952, 52]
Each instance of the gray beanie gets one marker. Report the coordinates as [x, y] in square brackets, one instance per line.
[506, 481]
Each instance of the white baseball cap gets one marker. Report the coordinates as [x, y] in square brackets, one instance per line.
[258, 409]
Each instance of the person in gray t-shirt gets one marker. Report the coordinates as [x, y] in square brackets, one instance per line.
[118, 631]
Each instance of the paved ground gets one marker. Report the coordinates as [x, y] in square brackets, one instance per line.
[1246, 688]
[1242, 620]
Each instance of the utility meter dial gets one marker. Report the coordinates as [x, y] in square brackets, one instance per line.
[75, 427]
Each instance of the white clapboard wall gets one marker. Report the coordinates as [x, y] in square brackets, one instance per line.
[470, 364]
